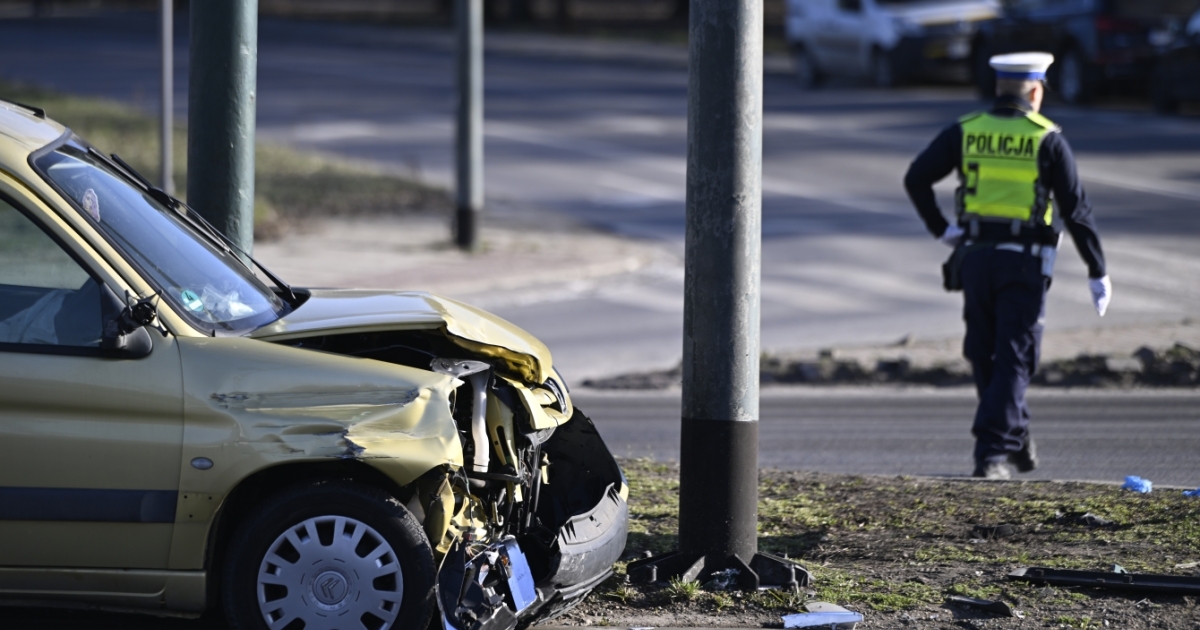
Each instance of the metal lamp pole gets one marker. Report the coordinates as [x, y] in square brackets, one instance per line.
[718, 489]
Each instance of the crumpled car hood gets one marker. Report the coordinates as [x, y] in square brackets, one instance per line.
[338, 311]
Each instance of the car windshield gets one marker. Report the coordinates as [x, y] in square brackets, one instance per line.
[201, 278]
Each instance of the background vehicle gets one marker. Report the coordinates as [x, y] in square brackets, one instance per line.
[1177, 69]
[886, 41]
[180, 433]
[1099, 45]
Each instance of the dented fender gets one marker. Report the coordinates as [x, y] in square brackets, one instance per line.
[250, 405]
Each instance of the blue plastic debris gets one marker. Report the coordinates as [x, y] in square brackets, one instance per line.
[1137, 484]
[1192, 493]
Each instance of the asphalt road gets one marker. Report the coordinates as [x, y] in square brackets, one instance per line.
[1081, 435]
[595, 132]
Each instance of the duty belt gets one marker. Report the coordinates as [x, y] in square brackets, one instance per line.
[1046, 252]
[1033, 249]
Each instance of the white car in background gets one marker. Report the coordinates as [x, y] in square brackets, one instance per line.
[884, 41]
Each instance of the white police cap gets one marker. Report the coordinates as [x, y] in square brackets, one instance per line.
[1020, 66]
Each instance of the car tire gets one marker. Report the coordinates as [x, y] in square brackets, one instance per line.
[883, 70]
[329, 553]
[804, 64]
[1071, 79]
[982, 73]
[1162, 93]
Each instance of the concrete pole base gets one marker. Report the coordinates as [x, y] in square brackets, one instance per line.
[763, 571]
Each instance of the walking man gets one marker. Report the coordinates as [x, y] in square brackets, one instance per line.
[1011, 163]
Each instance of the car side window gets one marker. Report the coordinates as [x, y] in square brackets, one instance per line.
[46, 297]
[850, 6]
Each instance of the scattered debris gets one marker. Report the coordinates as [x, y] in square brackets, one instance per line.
[1192, 493]
[722, 580]
[992, 532]
[1116, 580]
[988, 605]
[1137, 484]
[1187, 565]
[821, 615]
[1092, 520]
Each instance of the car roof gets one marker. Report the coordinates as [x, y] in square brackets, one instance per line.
[23, 130]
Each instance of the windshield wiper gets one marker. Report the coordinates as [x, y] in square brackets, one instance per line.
[283, 286]
[198, 223]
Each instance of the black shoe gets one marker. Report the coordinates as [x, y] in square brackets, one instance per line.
[1025, 459]
[992, 470]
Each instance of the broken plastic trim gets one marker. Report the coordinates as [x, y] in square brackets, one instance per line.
[1131, 582]
[487, 591]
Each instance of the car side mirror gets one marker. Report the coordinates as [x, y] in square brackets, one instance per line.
[125, 332]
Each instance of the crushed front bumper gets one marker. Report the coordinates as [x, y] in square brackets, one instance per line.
[582, 524]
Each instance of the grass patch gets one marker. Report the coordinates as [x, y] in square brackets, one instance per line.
[891, 545]
[290, 185]
[851, 588]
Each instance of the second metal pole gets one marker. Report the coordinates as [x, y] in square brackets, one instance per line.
[167, 102]
[221, 112]
[469, 128]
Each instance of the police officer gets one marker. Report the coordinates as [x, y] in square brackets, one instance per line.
[1011, 163]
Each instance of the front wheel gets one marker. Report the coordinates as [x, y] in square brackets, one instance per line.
[1162, 92]
[883, 70]
[808, 73]
[1073, 83]
[329, 555]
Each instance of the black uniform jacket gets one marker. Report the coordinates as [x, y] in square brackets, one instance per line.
[1056, 169]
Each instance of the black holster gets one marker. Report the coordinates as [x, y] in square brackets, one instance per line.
[952, 268]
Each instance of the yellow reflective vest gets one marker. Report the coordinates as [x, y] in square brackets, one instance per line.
[1000, 169]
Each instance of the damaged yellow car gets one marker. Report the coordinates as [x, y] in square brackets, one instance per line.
[182, 430]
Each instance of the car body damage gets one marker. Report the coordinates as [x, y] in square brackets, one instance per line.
[282, 404]
[502, 471]
[436, 432]
[533, 514]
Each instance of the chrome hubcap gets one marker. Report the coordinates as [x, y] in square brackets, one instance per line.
[330, 572]
[330, 589]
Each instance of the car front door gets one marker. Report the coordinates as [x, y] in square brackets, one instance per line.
[91, 442]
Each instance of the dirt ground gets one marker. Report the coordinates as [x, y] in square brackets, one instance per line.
[896, 548]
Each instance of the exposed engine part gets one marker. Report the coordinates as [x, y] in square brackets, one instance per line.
[479, 374]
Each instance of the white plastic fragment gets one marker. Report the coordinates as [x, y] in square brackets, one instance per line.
[823, 615]
[824, 619]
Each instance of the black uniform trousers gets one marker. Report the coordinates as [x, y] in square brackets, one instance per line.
[1004, 296]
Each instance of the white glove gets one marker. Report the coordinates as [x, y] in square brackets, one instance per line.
[951, 236]
[1101, 293]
